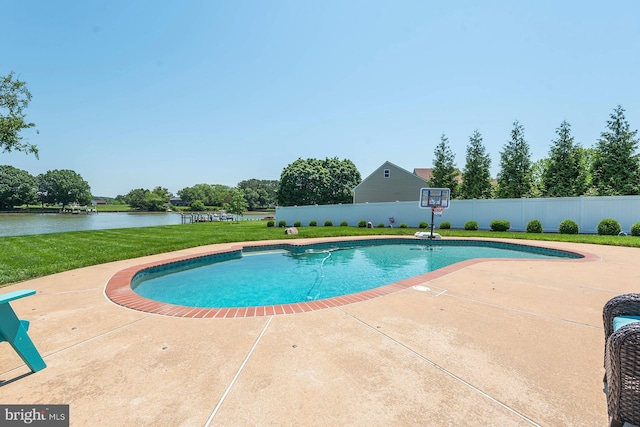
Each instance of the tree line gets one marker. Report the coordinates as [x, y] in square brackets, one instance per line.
[610, 168]
[252, 194]
[66, 187]
[60, 187]
[258, 194]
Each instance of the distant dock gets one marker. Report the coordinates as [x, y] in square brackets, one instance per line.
[78, 210]
[189, 218]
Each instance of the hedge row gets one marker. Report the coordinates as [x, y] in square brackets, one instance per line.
[606, 227]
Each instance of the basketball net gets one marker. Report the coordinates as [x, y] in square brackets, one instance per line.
[437, 210]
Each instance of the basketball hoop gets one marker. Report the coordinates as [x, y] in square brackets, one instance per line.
[436, 199]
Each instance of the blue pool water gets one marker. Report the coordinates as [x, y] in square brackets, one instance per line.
[285, 275]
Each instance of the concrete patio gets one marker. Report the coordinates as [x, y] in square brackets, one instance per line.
[504, 343]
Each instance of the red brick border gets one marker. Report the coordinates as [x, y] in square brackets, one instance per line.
[118, 289]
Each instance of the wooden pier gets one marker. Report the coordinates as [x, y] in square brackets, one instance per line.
[190, 218]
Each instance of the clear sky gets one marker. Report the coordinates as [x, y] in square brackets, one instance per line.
[139, 94]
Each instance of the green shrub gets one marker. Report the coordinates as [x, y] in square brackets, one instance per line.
[328, 223]
[403, 225]
[313, 223]
[500, 225]
[423, 224]
[362, 223]
[271, 223]
[380, 225]
[568, 227]
[344, 224]
[197, 205]
[609, 227]
[534, 226]
[297, 224]
[471, 225]
[635, 229]
[445, 225]
[282, 223]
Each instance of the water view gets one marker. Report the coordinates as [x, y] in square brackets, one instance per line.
[19, 224]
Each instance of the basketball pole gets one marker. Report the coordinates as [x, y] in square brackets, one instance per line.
[432, 220]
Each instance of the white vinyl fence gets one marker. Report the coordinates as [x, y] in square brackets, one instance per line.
[586, 211]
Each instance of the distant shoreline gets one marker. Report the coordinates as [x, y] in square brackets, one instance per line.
[99, 211]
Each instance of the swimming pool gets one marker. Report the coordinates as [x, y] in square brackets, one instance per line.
[288, 274]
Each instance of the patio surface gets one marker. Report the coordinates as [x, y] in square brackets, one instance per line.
[505, 343]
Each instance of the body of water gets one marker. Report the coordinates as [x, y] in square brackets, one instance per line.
[19, 224]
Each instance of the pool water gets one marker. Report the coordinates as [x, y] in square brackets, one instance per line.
[275, 277]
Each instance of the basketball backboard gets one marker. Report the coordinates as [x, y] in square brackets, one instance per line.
[434, 198]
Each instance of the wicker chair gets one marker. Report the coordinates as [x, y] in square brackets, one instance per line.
[622, 361]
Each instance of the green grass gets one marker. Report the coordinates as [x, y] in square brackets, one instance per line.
[550, 237]
[28, 257]
[112, 208]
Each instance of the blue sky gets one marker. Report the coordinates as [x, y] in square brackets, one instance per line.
[139, 94]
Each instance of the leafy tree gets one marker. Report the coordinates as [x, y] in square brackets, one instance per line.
[135, 198]
[615, 166]
[218, 195]
[301, 183]
[197, 205]
[64, 186]
[322, 182]
[343, 177]
[259, 193]
[210, 195]
[514, 178]
[238, 204]
[154, 202]
[192, 194]
[476, 177]
[143, 199]
[14, 98]
[17, 187]
[158, 199]
[445, 174]
[163, 193]
[563, 176]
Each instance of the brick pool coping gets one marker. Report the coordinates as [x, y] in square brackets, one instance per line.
[118, 288]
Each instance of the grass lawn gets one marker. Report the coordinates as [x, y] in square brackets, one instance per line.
[27, 257]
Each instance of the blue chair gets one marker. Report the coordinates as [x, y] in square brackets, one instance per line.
[14, 331]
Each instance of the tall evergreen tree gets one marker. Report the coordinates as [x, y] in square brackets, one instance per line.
[538, 170]
[563, 176]
[445, 174]
[615, 166]
[586, 156]
[514, 178]
[476, 176]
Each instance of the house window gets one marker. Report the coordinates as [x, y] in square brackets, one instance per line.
[387, 173]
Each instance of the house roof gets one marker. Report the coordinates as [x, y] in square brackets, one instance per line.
[427, 174]
[385, 165]
[424, 173]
